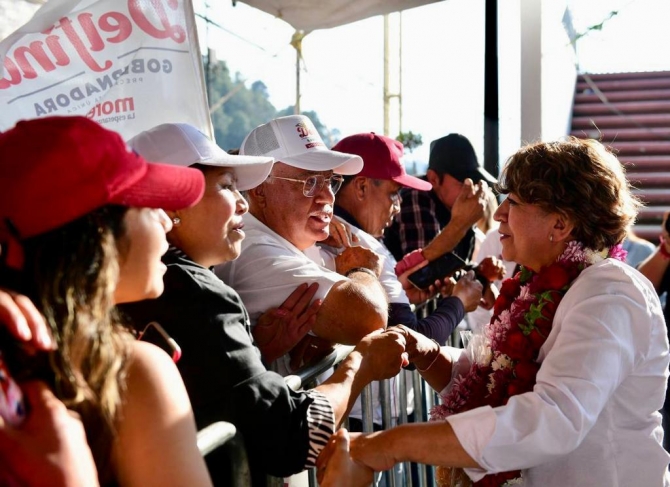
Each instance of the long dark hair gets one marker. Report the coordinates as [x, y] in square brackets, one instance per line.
[71, 274]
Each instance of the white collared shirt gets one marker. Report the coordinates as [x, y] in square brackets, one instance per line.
[268, 271]
[592, 418]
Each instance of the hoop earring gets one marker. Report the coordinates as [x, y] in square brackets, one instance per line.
[176, 221]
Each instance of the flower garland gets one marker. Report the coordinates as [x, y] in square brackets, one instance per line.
[504, 359]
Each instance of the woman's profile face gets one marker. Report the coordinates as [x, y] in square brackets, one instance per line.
[140, 268]
[525, 231]
[211, 231]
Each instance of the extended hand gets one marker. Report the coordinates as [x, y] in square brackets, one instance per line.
[470, 204]
[336, 468]
[339, 235]
[383, 354]
[358, 257]
[469, 290]
[492, 268]
[49, 448]
[420, 349]
[489, 296]
[371, 450]
[278, 330]
[20, 317]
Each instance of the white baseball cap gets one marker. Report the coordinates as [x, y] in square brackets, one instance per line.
[181, 144]
[295, 141]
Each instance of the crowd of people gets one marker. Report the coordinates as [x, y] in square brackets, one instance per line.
[260, 261]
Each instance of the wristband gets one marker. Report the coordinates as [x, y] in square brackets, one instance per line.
[661, 248]
[360, 269]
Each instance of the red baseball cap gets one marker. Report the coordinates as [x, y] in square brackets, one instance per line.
[381, 159]
[57, 169]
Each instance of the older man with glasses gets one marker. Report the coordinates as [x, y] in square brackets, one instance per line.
[288, 214]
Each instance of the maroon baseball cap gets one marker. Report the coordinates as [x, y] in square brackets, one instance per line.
[381, 159]
[57, 169]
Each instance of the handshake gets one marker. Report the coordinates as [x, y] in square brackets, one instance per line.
[346, 460]
[384, 353]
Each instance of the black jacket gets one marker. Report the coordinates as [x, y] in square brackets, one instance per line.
[223, 372]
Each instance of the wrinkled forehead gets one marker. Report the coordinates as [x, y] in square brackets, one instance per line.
[284, 170]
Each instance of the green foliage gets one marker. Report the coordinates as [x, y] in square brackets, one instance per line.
[238, 109]
[410, 140]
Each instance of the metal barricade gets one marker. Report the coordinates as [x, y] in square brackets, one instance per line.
[413, 475]
[223, 435]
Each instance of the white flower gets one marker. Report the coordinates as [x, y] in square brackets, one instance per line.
[491, 385]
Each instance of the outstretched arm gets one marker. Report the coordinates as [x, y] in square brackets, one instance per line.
[467, 210]
[355, 306]
[377, 356]
[433, 443]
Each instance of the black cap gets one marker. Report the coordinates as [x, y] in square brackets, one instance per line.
[453, 154]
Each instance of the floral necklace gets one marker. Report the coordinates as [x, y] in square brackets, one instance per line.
[504, 358]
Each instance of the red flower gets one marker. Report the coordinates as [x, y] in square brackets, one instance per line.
[497, 479]
[537, 338]
[526, 370]
[517, 346]
[517, 387]
[510, 288]
[502, 303]
[553, 277]
[545, 321]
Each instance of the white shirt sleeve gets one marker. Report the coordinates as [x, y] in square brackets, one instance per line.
[602, 335]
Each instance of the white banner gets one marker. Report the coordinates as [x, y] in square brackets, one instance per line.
[128, 64]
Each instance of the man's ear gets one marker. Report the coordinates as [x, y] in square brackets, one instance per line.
[433, 178]
[257, 196]
[361, 185]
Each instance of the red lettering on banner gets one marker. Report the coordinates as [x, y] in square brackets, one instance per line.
[36, 50]
[79, 46]
[122, 25]
[53, 43]
[175, 32]
[154, 23]
[13, 72]
[89, 29]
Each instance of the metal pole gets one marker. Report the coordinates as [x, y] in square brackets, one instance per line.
[386, 76]
[400, 73]
[296, 109]
[491, 104]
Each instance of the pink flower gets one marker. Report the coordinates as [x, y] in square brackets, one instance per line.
[617, 252]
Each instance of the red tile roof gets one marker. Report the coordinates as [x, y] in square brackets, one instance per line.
[631, 113]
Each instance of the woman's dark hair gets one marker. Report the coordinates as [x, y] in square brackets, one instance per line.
[71, 274]
[579, 179]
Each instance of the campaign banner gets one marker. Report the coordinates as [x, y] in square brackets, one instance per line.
[127, 64]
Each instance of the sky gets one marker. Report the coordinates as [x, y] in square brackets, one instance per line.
[442, 52]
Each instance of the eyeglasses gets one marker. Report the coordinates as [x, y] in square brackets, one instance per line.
[313, 184]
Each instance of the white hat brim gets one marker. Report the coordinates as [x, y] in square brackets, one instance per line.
[326, 160]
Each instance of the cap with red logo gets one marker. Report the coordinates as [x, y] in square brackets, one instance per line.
[381, 158]
[295, 141]
[57, 169]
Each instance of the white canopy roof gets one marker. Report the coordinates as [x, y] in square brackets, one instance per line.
[309, 15]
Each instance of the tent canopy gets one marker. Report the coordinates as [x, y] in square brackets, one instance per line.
[309, 15]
